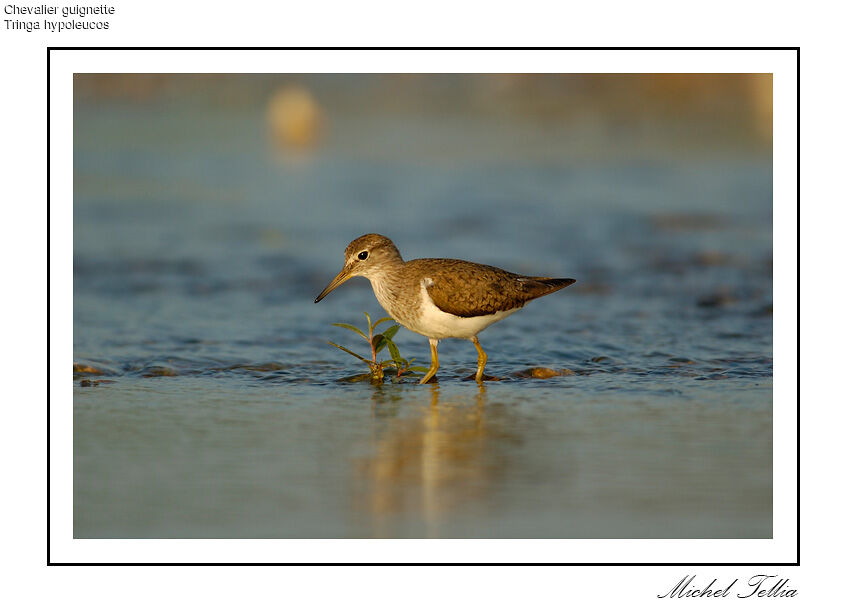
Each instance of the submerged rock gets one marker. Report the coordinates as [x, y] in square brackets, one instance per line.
[541, 372]
[718, 299]
[159, 371]
[711, 258]
[93, 382]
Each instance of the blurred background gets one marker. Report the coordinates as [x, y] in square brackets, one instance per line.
[210, 210]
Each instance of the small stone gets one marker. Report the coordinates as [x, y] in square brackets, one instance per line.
[159, 371]
[712, 258]
[544, 373]
[87, 368]
[718, 299]
[541, 372]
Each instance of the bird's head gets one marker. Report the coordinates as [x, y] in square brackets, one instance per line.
[367, 256]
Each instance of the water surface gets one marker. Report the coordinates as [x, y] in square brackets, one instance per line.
[207, 402]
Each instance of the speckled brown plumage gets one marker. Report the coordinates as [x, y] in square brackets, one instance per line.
[467, 289]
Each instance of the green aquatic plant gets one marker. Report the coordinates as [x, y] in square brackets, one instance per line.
[398, 365]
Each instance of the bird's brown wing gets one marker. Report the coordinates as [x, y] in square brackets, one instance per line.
[466, 289]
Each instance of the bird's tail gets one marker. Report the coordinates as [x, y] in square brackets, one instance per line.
[541, 286]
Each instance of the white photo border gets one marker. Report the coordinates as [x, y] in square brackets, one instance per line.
[782, 549]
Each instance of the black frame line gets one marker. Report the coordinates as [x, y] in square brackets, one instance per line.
[423, 49]
[619, 564]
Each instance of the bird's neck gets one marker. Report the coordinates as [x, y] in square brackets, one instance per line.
[386, 283]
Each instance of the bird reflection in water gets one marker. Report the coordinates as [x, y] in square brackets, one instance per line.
[425, 463]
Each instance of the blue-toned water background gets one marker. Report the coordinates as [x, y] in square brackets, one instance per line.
[210, 211]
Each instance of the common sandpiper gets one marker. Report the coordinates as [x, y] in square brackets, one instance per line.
[439, 298]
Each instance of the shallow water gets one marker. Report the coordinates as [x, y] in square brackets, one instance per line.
[207, 402]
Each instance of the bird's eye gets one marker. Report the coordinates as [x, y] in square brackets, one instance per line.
[363, 255]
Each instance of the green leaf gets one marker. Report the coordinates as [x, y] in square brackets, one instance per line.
[353, 329]
[355, 355]
[370, 325]
[381, 339]
[390, 332]
[419, 368]
[392, 348]
[387, 336]
[382, 319]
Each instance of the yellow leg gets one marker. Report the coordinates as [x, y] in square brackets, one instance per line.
[433, 344]
[480, 363]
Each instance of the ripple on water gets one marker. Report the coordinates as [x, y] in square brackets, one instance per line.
[327, 372]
